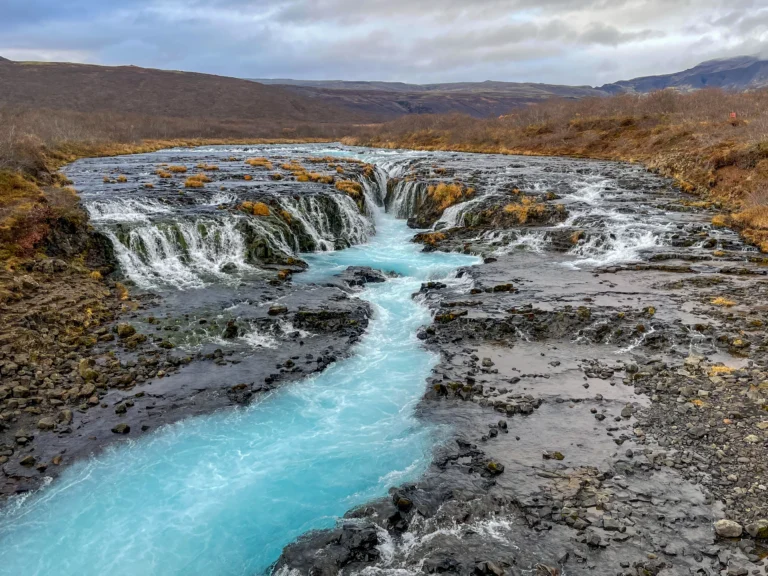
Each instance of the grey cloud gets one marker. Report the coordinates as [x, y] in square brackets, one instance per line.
[564, 41]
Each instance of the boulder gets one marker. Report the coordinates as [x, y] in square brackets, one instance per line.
[121, 429]
[65, 416]
[231, 331]
[46, 423]
[758, 529]
[28, 461]
[125, 330]
[728, 529]
[277, 310]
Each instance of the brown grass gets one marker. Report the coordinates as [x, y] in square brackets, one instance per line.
[350, 187]
[259, 162]
[528, 207]
[431, 238]
[255, 208]
[689, 137]
[196, 181]
[177, 169]
[446, 195]
[322, 178]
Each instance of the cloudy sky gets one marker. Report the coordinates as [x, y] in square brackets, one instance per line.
[558, 41]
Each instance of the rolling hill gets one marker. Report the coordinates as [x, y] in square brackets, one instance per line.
[162, 93]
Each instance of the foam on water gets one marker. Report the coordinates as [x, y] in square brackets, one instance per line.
[125, 210]
[223, 494]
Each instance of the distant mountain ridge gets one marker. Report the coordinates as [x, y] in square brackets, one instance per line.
[740, 73]
[387, 100]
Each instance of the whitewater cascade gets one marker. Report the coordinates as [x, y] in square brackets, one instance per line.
[189, 245]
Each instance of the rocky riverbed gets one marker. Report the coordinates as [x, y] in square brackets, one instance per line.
[601, 381]
[610, 410]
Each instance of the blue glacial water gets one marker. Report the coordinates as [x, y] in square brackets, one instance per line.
[223, 494]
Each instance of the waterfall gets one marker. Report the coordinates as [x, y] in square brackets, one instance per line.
[404, 198]
[185, 242]
[180, 253]
[329, 221]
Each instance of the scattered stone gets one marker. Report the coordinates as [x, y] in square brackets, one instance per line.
[121, 429]
[728, 528]
[46, 423]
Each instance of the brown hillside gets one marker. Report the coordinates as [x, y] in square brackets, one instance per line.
[149, 92]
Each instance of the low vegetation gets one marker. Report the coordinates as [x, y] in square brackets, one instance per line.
[350, 187]
[196, 181]
[712, 143]
[259, 163]
[448, 194]
[527, 207]
[255, 208]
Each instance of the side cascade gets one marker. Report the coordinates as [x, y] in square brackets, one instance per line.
[188, 246]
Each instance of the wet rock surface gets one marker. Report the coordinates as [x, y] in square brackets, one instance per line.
[608, 409]
[92, 368]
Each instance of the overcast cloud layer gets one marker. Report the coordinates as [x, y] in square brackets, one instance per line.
[421, 41]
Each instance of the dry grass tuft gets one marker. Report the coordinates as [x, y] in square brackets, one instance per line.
[321, 178]
[446, 195]
[432, 238]
[196, 181]
[164, 174]
[716, 370]
[722, 301]
[247, 177]
[255, 208]
[350, 187]
[528, 207]
[177, 169]
[259, 162]
[122, 179]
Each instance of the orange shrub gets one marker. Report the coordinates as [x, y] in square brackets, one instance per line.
[350, 187]
[196, 181]
[446, 195]
[259, 162]
[255, 208]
